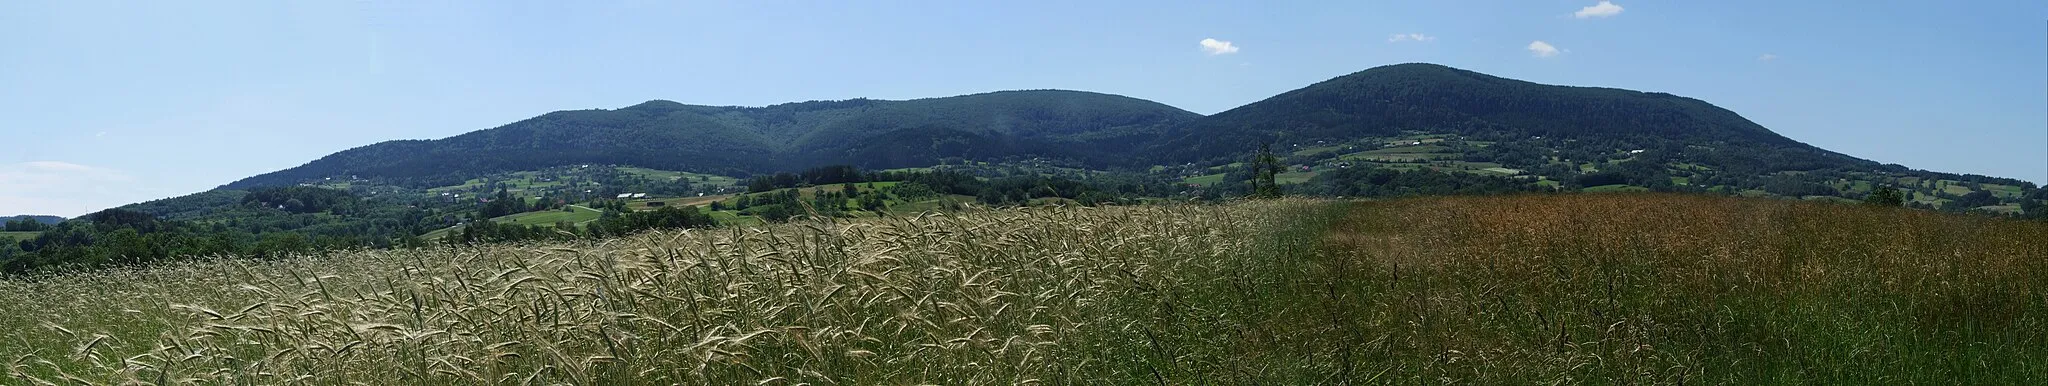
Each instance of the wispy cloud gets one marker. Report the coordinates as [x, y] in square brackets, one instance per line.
[1603, 9]
[1767, 57]
[1543, 50]
[59, 188]
[1410, 37]
[1218, 47]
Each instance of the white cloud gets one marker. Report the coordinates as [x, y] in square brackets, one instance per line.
[1543, 50]
[1604, 9]
[1414, 37]
[59, 188]
[1767, 57]
[1218, 47]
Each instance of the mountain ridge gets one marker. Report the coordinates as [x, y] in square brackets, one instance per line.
[745, 140]
[1389, 98]
[1096, 130]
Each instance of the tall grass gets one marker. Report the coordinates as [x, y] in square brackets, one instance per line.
[1685, 289]
[1541, 289]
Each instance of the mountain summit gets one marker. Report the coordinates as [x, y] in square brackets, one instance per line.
[1388, 100]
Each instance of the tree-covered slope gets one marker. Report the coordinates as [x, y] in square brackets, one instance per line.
[1543, 137]
[1092, 128]
[1387, 100]
[1086, 127]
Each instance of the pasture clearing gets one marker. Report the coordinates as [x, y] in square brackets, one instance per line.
[576, 214]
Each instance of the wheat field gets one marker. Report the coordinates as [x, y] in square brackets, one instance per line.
[1633, 288]
[1017, 296]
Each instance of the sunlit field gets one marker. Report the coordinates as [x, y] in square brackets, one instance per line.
[1640, 288]
[1011, 296]
[1623, 288]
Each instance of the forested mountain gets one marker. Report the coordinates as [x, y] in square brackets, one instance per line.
[1090, 128]
[1555, 137]
[1405, 116]
[1081, 128]
[1389, 100]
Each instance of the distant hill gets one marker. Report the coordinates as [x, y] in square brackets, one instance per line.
[50, 220]
[1547, 137]
[1093, 128]
[1388, 100]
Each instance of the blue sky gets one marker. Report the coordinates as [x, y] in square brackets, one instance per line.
[114, 102]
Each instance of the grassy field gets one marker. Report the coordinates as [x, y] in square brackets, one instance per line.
[1614, 188]
[732, 218]
[1404, 154]
[665, 175]
[577, 215]
[1679, 289]
[1293, 177]
[1526, 289]
[2004, 190]
[1312, 150]
[930, 205]
[17, 236]
[677, 202]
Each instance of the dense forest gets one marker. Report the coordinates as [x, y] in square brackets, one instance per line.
[1082, 126]
[1387, 100]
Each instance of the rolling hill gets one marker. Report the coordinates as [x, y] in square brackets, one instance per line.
[1108, 131]
[1387, 100]
[1087, 127]
[1403, 117]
